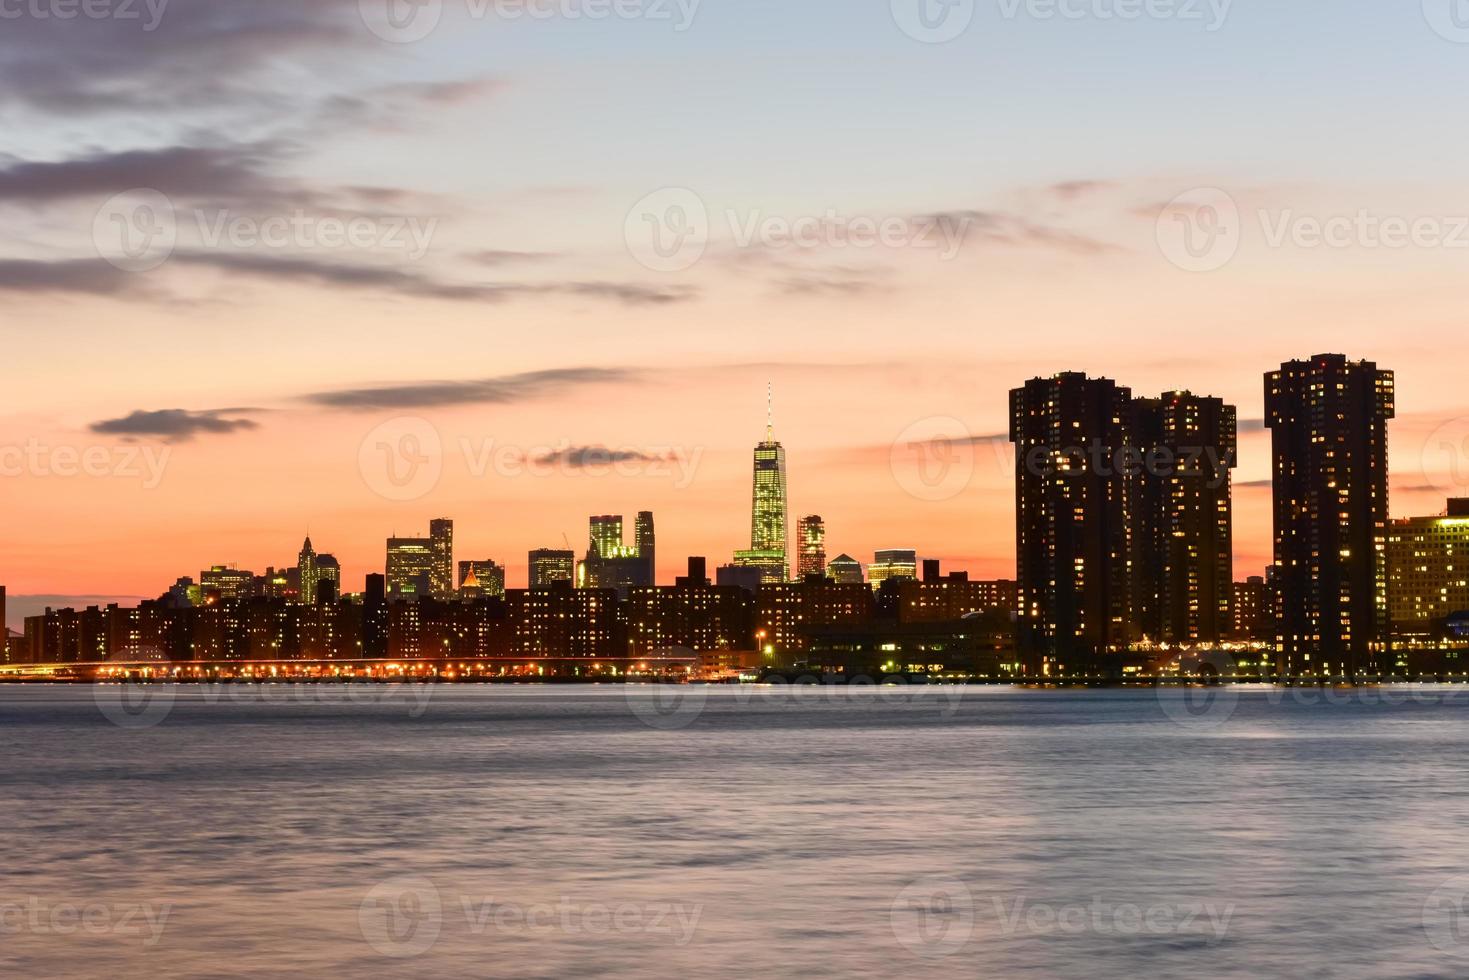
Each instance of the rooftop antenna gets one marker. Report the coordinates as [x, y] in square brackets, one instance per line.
[769, 411]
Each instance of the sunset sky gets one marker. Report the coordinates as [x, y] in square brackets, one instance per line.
[230, 393]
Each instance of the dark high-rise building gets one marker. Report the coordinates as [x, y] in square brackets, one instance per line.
[811, 546]
[328, 579]
[1180, 500]
[1253, 613]
[441, 540]
[547, 565]
[1328, 422]
[644, 543]
[375, 616]
[1071, 532]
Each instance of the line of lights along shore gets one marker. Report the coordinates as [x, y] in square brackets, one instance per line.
[1120, 570]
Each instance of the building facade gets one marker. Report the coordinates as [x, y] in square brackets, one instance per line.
[1328, 422]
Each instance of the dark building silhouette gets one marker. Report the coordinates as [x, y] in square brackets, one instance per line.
[1328, 421]
[1071, 533]
[1180, 502]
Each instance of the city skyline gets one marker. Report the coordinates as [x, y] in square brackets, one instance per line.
[900, 465]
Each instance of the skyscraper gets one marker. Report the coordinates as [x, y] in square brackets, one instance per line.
[547, 565]
[1182, 538]
[769, 522]
[306, 570]
[606, 535]
[811, 542]
[1328, 421]
[1071, 526]
[441, 540]
[644, 542]
[412, 565]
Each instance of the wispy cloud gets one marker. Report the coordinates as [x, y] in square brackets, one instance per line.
[581, 457]
[507, 389]
[176, 424]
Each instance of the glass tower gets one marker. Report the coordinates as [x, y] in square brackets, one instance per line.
[769, 522]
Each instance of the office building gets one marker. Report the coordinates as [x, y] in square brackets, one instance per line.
[1428, 570]
[810, 546]
[547, 565]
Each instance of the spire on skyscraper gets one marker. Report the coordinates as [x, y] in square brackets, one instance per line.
[769, 411]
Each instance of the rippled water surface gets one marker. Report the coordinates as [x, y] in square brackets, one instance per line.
[568, 832]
